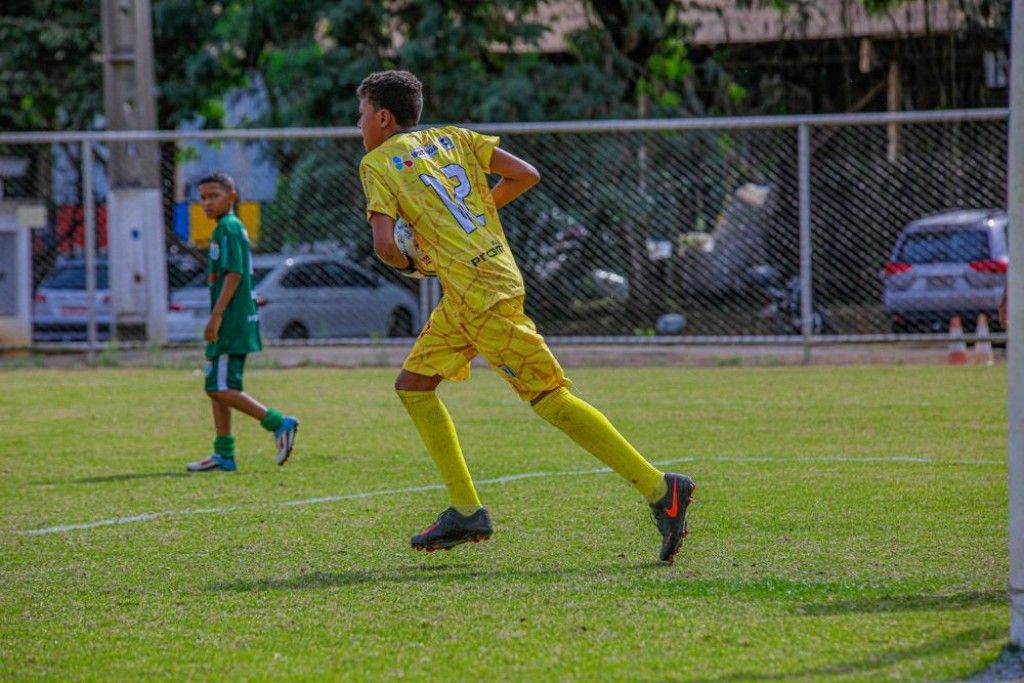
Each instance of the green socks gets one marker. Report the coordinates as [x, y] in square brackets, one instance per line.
[272, 420]
[224, 446]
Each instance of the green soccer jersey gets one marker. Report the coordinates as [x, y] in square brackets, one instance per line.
[229, 253]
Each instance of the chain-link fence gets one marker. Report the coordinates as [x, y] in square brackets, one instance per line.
[784, 230]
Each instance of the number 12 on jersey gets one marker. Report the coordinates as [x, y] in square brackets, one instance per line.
[457, 204]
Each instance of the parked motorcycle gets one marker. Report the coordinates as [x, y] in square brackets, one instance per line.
[781, 304]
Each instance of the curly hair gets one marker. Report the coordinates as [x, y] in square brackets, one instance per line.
[400, 92]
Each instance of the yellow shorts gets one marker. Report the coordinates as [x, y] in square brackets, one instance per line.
[503, 334]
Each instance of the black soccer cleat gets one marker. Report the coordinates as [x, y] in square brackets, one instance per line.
[669, 514]
[452, 529]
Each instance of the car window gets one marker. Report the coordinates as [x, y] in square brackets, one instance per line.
[202, 279]
[258, 274]
[305, 275]
[73, 277]
[198, 280]
[340, 276]
[944, 246]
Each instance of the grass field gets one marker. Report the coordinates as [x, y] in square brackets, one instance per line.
[850, 524]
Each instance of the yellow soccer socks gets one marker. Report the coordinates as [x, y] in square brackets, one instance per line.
[588, 427]
[438, 433]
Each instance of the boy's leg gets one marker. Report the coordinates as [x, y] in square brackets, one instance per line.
[509, 340]
[587, 426]
[436, 429]
[223, 457]
[441, 352]
[229, 391]
[221, 416]
[668, 494]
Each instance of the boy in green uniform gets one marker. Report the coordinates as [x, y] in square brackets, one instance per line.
[233, 330]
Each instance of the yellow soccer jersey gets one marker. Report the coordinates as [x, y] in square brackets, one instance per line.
[436, 179]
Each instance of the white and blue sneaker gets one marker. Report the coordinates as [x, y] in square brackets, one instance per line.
[214, 462]
[284, 438]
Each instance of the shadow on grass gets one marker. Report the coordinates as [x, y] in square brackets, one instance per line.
[448, 573]
[905, 603]
[884, 658]
[652, 579]
[112, 478]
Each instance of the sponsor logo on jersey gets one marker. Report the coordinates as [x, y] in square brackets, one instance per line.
[446, 142]
[497, 248]
[400, 163]
[214, 251]
[426, 151]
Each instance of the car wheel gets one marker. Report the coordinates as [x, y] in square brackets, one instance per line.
[400, 323]
[295, 330]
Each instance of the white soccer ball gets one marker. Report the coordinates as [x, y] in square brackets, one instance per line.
[406, 242]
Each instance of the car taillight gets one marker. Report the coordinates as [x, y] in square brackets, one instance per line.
[989, 266]
[896, 267]
[39, 298]
[175, 307]
[261, 301]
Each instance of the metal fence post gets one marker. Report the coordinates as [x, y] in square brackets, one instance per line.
[89, 207]
[1015, 344]
[804, 191]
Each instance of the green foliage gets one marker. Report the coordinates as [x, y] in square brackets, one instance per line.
[479, 60]
[192, 74]
[318, 200]
[50, 74]
[310, 57]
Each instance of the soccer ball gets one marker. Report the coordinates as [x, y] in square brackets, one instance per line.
[407, 244]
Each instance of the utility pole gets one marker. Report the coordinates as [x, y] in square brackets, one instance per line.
[138, 260]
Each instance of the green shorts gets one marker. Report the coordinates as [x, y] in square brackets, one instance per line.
[225, 372]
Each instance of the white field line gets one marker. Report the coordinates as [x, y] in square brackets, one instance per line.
[145, 517]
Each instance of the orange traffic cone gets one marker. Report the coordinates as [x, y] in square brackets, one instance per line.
[983, 354]
[957, 345]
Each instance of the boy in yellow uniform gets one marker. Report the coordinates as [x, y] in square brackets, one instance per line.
[436, 180]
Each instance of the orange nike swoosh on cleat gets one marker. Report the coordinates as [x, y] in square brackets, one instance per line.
[674, 510]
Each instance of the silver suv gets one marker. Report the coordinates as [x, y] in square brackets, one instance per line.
[305, 296]
[947, 264]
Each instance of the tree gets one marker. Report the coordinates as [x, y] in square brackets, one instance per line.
[309, 57]
[50, 75]
[192, 74]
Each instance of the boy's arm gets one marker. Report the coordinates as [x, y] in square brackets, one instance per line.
[517, 176]
[231, 282]
[384, 242]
